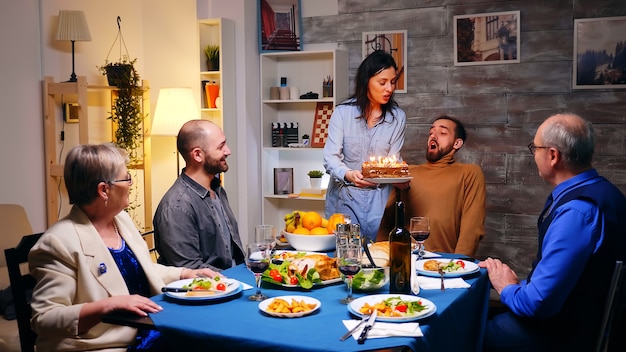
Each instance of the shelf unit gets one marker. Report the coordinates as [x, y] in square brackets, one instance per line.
[77, 92]
[305, 70]
[220, 31]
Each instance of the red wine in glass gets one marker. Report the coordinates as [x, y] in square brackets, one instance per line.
[349, 269]
[258, 267]
[420, 236]
[420, 230]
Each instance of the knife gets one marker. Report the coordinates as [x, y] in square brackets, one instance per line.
[178, 289]
[368, 327]
[346, 335]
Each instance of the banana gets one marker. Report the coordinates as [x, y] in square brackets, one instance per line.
[297, 221]
[289, 217]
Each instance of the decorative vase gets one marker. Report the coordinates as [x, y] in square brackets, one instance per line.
[316, 182]
[212, 91]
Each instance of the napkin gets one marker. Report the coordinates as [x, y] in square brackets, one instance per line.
[432, 283]
[245, 286]
[382, 329]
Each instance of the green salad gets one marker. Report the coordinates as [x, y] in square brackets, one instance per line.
[371, 279]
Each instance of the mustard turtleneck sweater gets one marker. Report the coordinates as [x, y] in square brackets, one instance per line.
[452, 195]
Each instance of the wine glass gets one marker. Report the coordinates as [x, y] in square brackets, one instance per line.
[265, 234]
[349, 263]
[257, 261]
[420, 230]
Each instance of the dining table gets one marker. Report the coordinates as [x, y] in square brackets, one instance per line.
[235, 323]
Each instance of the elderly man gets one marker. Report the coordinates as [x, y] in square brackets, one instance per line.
[581, 235]
[194, 225]
[451, 194]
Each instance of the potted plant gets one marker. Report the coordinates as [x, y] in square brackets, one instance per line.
[212, 53]
[315, 176]
[120, 73]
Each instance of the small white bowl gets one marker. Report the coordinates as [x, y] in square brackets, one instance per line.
[311, 243]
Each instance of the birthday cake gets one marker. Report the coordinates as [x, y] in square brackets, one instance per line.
[385, 168]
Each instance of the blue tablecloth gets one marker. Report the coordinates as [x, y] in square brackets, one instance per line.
[237, 324]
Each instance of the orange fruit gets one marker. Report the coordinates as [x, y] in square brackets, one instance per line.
[311, 219]
[301, 231]
[333, 220]
[319, 231]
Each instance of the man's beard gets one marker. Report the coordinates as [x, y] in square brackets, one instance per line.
[434, 155]
[215, 167]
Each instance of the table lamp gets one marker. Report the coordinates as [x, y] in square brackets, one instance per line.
[174, 107]
[72, 26]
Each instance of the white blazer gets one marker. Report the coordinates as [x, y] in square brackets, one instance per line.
[67, 262]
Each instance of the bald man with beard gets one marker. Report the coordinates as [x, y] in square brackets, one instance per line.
[450, 194]
[194, 225]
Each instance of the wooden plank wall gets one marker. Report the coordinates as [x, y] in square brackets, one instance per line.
[501, 105]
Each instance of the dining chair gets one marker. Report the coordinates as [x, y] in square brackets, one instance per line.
[15, 224]
[148, 236]
[614, 311]
[21, 289]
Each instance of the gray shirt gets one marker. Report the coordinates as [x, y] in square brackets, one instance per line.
[195, 228]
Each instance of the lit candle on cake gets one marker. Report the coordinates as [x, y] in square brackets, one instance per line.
[380, 166]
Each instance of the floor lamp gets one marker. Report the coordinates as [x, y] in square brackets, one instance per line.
[72, 26]
[174, 107]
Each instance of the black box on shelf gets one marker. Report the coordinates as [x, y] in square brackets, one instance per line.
[284, 133]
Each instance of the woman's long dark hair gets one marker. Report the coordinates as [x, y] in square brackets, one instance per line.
[373, 64]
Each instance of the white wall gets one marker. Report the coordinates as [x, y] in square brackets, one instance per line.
[21, 131]
[162, 35]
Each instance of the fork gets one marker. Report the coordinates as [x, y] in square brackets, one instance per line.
[443, 287]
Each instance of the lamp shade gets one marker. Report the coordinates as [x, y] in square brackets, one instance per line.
[73, 26]
[175, 106]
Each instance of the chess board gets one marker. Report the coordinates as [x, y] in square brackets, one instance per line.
[320, 125]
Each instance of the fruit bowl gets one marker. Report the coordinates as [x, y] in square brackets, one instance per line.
[370, 279]
[311, 243]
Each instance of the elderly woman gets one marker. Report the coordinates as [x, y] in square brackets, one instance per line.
[94, 262]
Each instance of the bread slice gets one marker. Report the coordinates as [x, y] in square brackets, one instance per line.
[380, 253]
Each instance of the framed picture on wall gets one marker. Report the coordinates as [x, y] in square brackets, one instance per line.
[487, 38]
[393, 42]
[599, 53]
[280, 25]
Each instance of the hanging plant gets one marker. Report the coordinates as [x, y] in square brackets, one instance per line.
[126, 112]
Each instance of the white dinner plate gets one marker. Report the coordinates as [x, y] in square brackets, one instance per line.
[308, 300]
[232, 288]
[470, 268]
[356, 305]
[388, 179]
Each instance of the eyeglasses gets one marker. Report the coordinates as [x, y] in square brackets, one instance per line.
[128, 179]
[532, 147]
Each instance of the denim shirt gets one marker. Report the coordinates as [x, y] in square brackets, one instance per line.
[195, 227]
[351, 142]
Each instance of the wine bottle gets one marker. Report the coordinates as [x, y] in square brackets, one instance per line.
[400, 254]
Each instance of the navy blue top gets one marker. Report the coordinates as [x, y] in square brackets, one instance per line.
[133, 273]
[137, 283]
